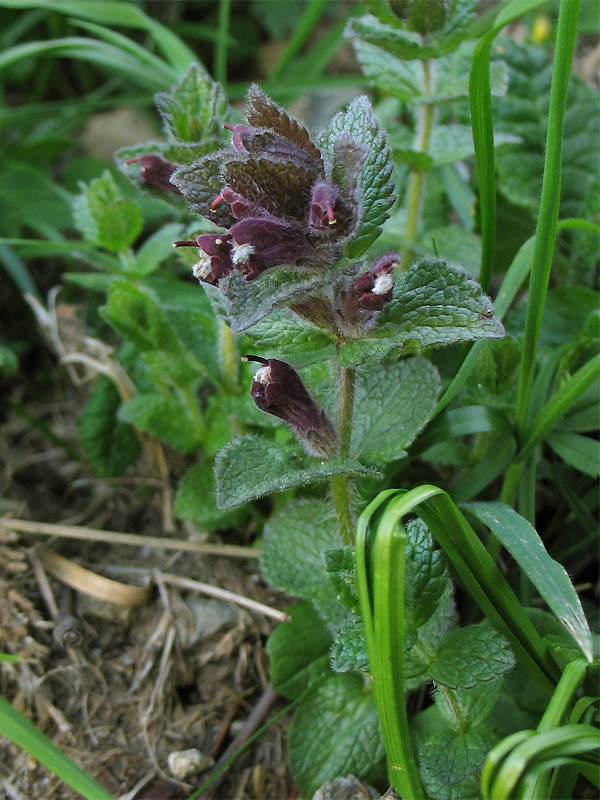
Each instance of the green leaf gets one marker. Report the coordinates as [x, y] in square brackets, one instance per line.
[426, 575]
[349, 649]
[375, 184]
[104, 217]
[392, 404]
[252, 467]
[194, 111]
[299, 652]
[520, 167]
[109, 444]
[166, 418]
[293, 541]
[434, 304]
[469, 656]
[421, 645]
[243, 303]
[335, 733]
[137, 315]
[581, 452]
[405, 79]
[290, 338]
[550, 579]
[469, 707]
[157, 248]
[20, 730]
[340, 566]
[196, 500]
[448, 758]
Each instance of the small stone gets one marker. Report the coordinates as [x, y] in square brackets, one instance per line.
[182, 763]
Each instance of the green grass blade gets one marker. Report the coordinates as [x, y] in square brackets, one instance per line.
[20, 730]
[548, 576]
[557, 406]
[548, 212]
[513, 280]
[380, 582]
[105, 55]
[17, 271]
[220, 59]
[480, 104]
[127, 45]
[573, 675]
[304, 28]
[541, 752]
[481, 576]
[175, 51]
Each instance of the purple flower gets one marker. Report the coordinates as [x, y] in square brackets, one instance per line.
[359, 302]
[273, 194]
[278, 390]
[156, 172]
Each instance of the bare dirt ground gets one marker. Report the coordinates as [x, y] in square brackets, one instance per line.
[122, 688]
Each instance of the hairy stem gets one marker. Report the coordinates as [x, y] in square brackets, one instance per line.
[229, 365]
[341, 485]
[418, 176]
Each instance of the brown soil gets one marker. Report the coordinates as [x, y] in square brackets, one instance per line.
[142, 682]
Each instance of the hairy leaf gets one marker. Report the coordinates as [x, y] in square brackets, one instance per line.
[287, 336]
[434, 304]
[109, 444]
[343, 706]
[464, 708]
[293, 542]
[299, 651]
[393, 403]
[195, 109]
[243, 303]
[449, 758]
[196, 500]
[376, 185]
[106, 218]
[468, 656]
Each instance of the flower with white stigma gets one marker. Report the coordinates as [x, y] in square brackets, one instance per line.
[277, 389]
[241, 253]
[359, 301]
[275, 195]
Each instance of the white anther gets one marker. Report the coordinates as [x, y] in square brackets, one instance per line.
[202, 269]
[241, 253]
[383, 284]
[263, 375]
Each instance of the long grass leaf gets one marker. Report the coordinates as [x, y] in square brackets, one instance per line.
[545, 234]
[557, 406]
[20, 730]
[481, 576]
[105, 55]
[302, 31]
[128, 15]
[547, 575]
[480, 104]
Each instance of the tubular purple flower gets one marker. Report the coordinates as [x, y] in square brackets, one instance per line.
[156, 172]
[272, 193]
[277, 389]
[359, 303]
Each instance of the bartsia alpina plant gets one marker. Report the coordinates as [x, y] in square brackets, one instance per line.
[274, 196]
